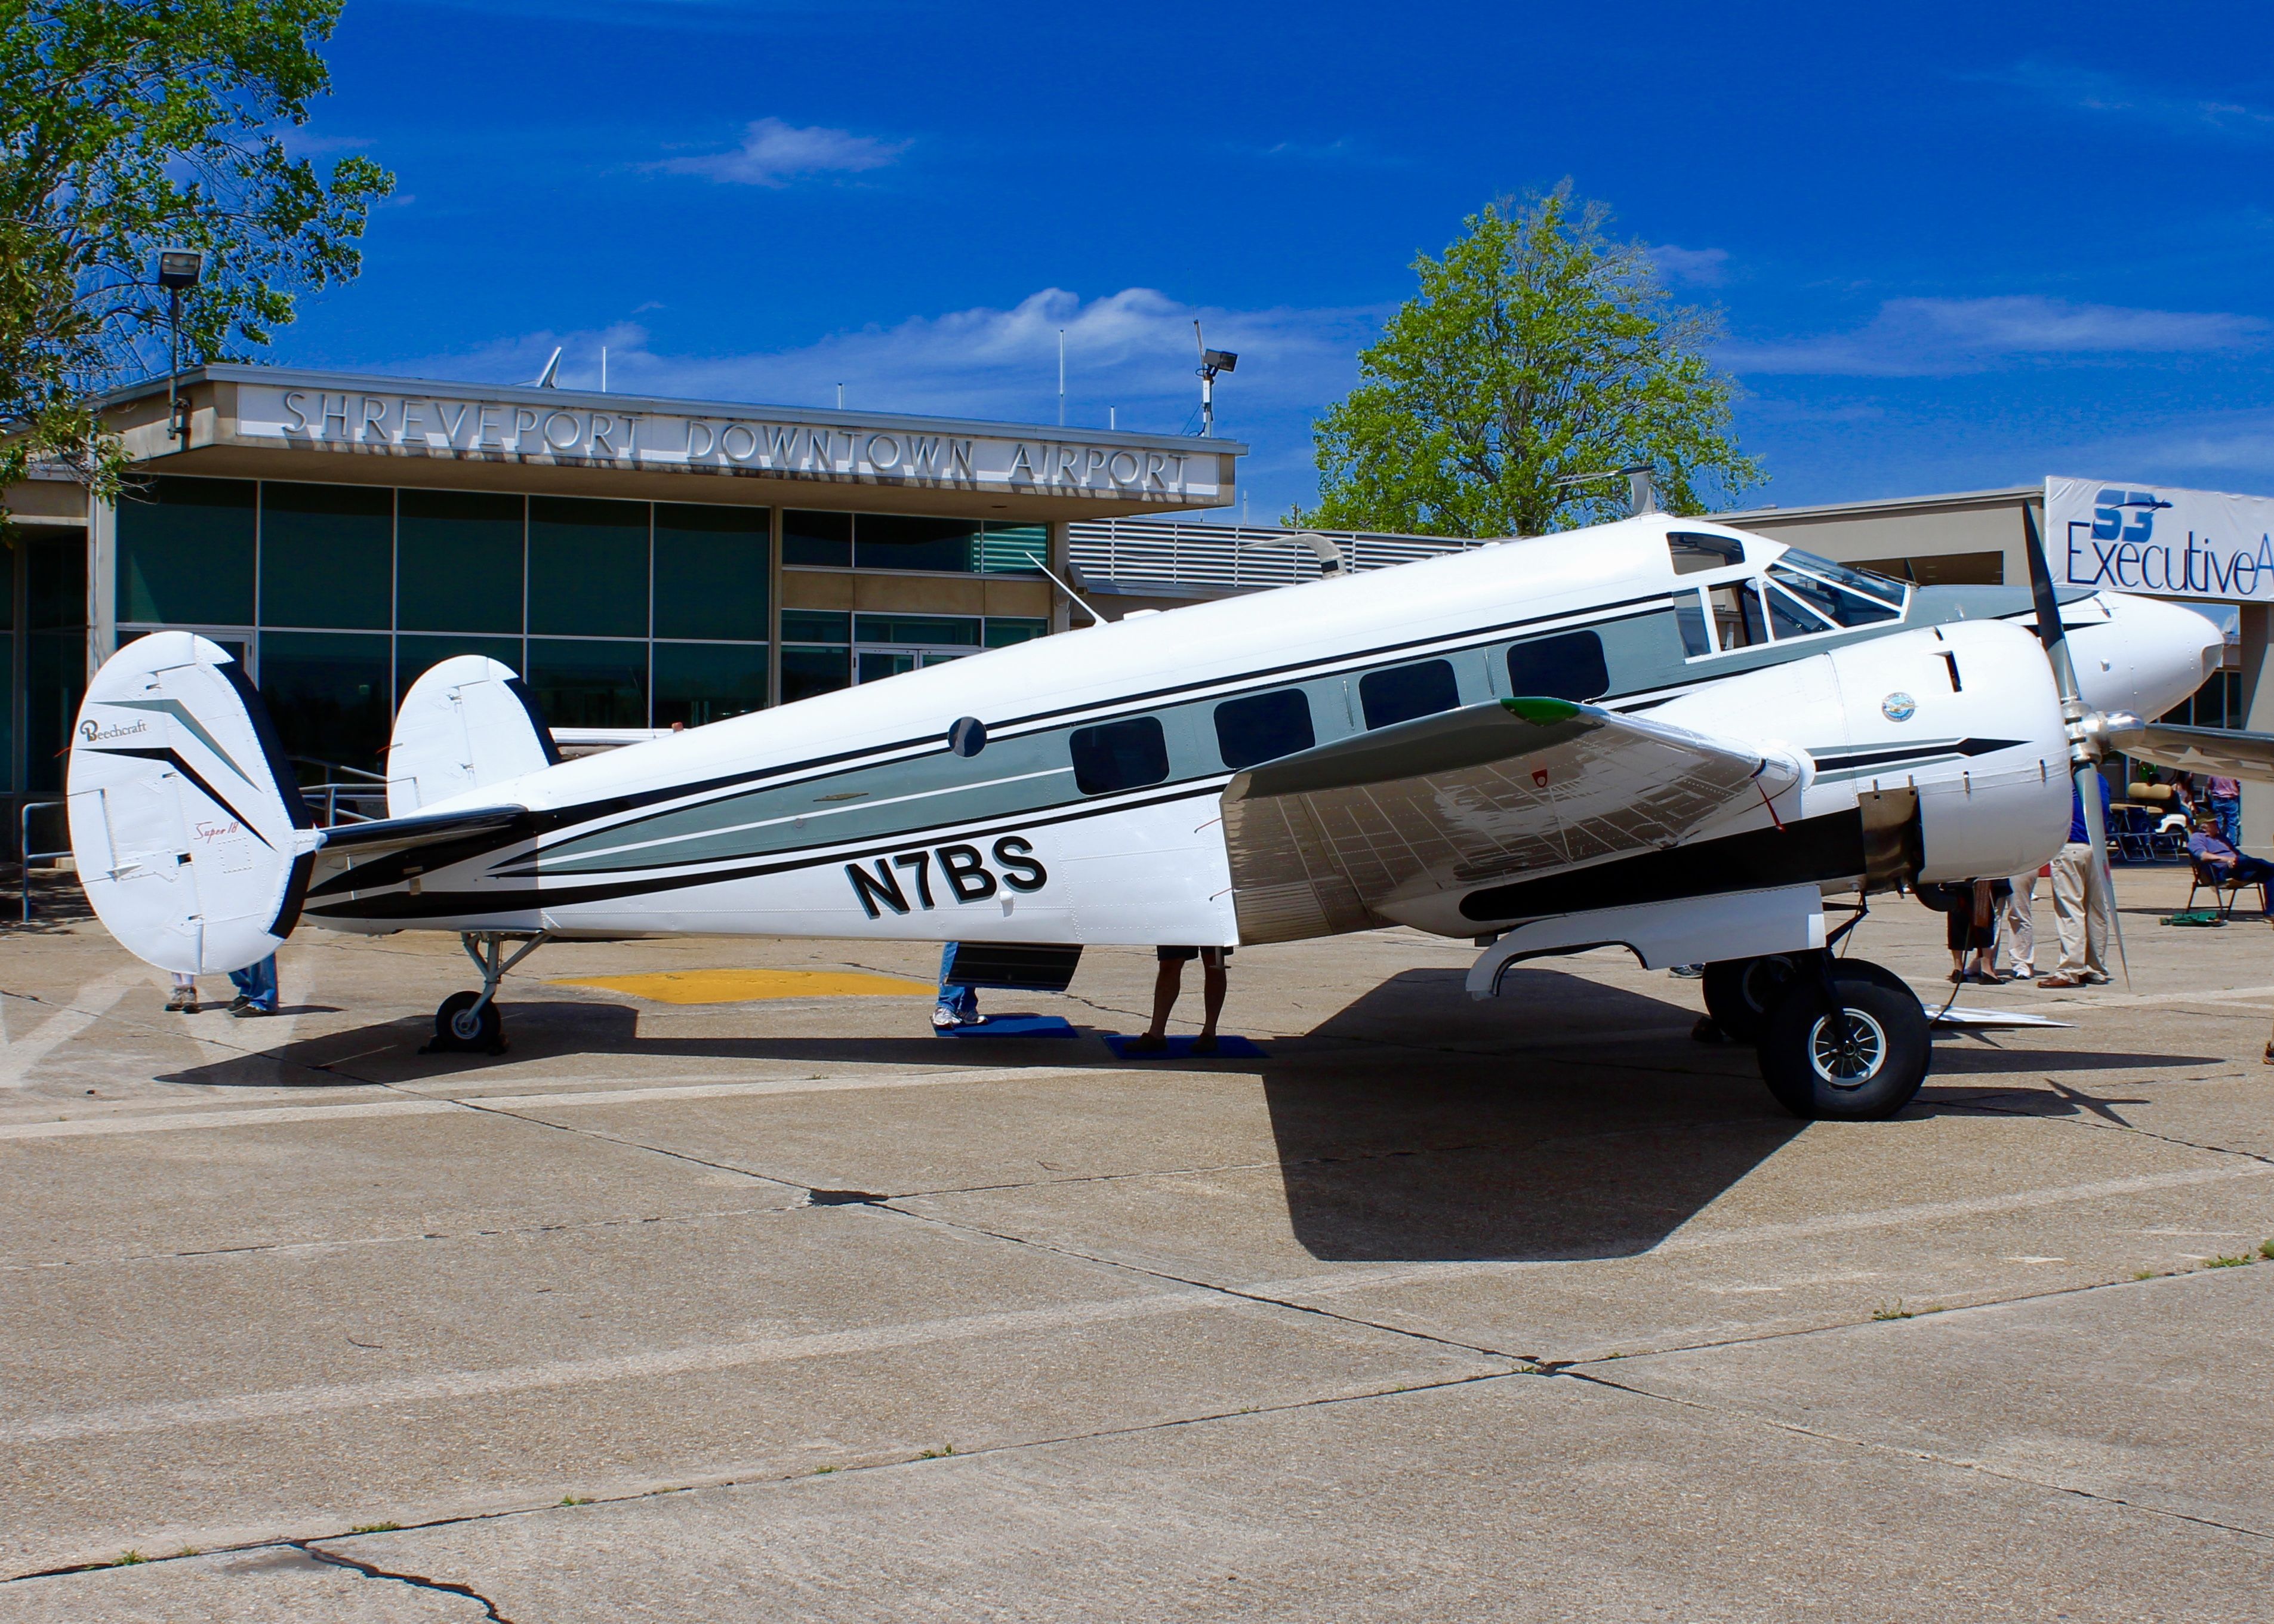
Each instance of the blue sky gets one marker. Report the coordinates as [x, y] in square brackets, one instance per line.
[1954, 246]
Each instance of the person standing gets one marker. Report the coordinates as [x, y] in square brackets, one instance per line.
[2018, 918]
[958, 1004]
[256, 988]
[1169, 982]
[2082, 905]
[2225, 798]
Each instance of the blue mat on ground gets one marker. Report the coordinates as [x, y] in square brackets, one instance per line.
[1227, 1047]
[1013, 1026]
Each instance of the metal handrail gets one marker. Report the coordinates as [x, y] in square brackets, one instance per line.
[23, 846]
[331, 794]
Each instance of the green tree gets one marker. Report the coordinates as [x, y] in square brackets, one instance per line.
[1537, 348]
[129, 125]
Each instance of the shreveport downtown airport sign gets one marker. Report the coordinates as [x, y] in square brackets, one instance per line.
[2137, 537]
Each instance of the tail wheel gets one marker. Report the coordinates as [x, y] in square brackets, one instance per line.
[1740, 992]
[1863, 1060]
[458, 1024]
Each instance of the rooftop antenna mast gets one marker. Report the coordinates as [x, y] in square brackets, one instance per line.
[1212, 361]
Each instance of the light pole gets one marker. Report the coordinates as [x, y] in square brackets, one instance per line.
[1212, 361]
[177, 268]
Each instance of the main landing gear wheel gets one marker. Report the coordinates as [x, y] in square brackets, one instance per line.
[1865, 1060]
[461, 1027]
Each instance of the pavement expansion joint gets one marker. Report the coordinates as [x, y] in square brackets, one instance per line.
[1900, 1452]
[2106, 1119]
[417, 1581]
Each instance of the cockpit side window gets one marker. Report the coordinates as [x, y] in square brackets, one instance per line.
[1864, 583]
[1789, 617]
[1736, 615]
[1693, 551]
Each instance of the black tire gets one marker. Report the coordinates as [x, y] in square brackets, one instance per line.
[1864, 970]
[1740, 992]
[1869, 1067]
[457, 1026]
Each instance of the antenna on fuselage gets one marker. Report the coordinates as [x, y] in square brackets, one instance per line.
[1642, 491]
[1070, 593]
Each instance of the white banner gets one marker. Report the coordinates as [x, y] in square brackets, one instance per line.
[577, 432]
[2133, 537]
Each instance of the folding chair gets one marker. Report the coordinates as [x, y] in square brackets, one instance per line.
[2227, 895]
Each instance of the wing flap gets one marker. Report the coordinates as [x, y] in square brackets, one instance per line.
[1325, 841]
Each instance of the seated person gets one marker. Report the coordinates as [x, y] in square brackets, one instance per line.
[2218, 859]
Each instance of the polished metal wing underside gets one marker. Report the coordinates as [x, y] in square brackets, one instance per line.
[1321, 841]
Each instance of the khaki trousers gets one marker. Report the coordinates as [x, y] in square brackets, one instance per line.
[2080, 910]
[2019, 918]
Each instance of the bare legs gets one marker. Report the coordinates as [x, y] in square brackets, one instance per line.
[1168, 982]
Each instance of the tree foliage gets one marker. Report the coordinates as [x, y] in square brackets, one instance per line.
[131, 125]
[1537, 348]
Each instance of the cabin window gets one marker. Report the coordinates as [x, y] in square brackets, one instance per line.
[1263, 727]
[1119, 755]
[1569, 667]
[1692, 551]
[1736, 615]
[1405, 692]
[1690, 615]
[1837, 604]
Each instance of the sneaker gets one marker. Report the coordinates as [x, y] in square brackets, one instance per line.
[1687, 972]
[944, 1019]
[2023, 973]
[245, 1009]
[182, 1003]
[239, 1004]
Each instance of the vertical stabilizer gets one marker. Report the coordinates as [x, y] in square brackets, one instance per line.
[190, 835]
[466, 724]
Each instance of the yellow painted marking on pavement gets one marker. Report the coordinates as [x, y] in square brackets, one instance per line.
[751, 986]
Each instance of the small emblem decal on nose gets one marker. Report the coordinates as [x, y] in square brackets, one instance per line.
[1898, 707]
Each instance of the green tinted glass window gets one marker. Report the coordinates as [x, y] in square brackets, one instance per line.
[710, 572]
[459, 555]
[816, 626]
[54, 583]
[808, 672]
[1003, 630]
[589, 684]
[948, 630]
[54, 827]
[824, 538]
[330, 694]
[699, 682]
[185, 552]
[56, 678]
[415, 657]
[1015, 549]
[327, 555]
[888, 541]
[587, 567]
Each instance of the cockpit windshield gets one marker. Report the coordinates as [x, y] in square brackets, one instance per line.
[1845, 597]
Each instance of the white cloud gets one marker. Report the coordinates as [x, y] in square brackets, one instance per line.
[1131, 350]
[1922, 338]
[1706, 266]
[2092, 91]
[773, 153]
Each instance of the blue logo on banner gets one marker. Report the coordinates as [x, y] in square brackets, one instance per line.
[2125, 516]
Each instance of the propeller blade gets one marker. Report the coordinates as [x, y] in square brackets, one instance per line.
[2050, 631]
[2096, 832]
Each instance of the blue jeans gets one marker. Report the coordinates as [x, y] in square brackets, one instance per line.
[961, 1002]
[2230, 819]
[256, 982]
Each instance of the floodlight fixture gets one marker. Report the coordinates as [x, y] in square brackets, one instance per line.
[1220, 360]
[1212, 361]
[179, 268]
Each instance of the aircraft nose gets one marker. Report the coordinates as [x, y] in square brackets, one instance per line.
[2148, 656]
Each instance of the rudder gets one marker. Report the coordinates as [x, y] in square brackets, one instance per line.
[190, 835]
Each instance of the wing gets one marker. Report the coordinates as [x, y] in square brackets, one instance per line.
[2214, 750]
[1328, 839]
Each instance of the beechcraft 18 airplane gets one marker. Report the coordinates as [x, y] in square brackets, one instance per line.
[1661, 732]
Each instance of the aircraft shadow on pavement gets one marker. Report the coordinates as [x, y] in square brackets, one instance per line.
[1564, 1120]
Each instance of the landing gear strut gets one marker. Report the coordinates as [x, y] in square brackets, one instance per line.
[469, 1022]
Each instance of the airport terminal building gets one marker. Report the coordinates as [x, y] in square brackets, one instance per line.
[641, 562]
